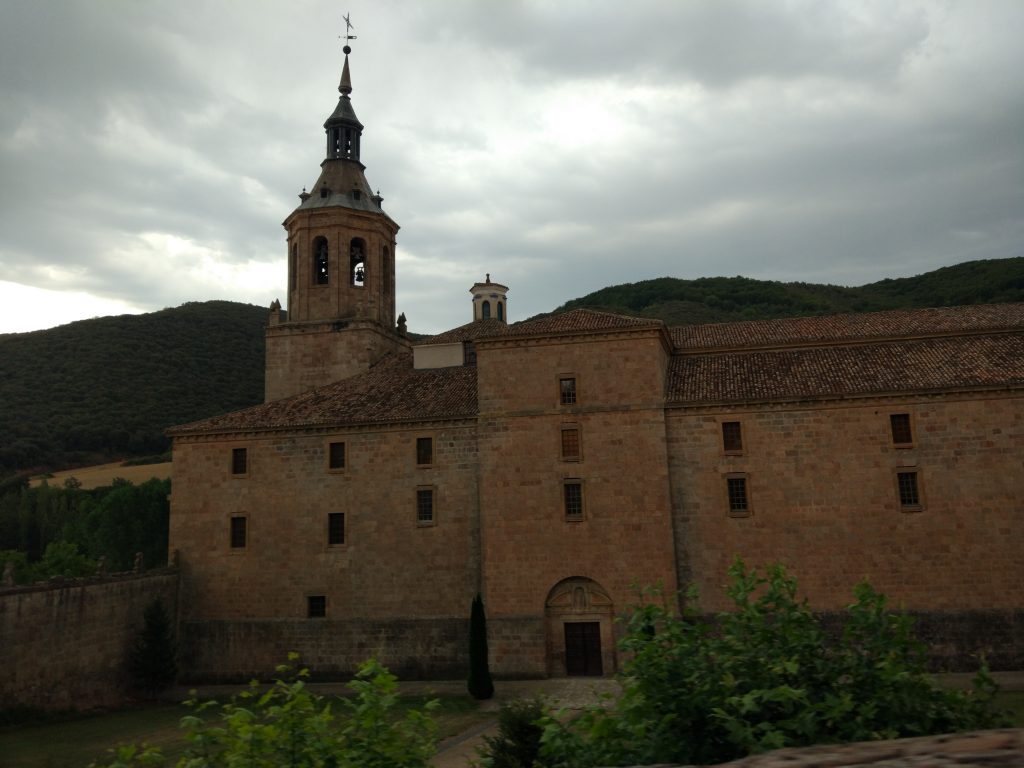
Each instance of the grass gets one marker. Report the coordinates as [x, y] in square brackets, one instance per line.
[75, 742]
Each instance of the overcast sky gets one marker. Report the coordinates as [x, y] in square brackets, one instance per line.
[149, 151]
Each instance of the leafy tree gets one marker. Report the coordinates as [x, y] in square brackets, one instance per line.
[517, 743]
[152, 660]
[62, 558]
[764, 676]
[480, 684]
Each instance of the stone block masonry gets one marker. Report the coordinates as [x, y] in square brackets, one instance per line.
[65, 645]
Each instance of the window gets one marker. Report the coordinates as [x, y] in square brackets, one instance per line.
[732, 437]
[573, 493]
[910, 493]
[901, 432]
[570, 443]
[358, 262]
[424, 506]
[567, 390]
[321, 265]
[501, 311]
[239, 461]
[424, 450]
[336, 456]
[316, 606]
[292, 267]
[238, 531]
[739, 503]
[335, 529]
[486, 310]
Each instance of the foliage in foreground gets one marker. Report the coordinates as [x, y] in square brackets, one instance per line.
[517, 743]
[288, 725]
[761, 677]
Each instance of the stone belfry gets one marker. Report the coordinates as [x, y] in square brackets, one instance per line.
[340, 317]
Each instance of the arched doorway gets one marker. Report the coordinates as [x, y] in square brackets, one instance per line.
[578, 614]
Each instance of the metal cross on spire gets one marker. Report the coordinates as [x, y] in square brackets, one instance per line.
[348, 30]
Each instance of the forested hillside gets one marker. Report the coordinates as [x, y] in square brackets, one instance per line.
[104, 388]
[722, 299]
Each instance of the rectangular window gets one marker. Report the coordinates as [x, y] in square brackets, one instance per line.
[336, 456]
[570, 444]
[567, 390]
[316, 606]
[732, 437]
[424, 506]
[239, 461]
[901, 432]
[335, 528]
[424, 450]
[910, 494]
[238, 531]
[739, 503]
[573, 492]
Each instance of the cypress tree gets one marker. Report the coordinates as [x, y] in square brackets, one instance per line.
[153, 665]
[480, 684]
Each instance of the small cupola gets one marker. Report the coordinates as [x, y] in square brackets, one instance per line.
[343, 127]
[489, 302]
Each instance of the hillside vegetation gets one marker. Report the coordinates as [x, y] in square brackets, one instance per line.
[104, 388]
[724, 299]
[97, 390]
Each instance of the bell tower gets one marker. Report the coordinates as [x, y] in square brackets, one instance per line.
[340, 318]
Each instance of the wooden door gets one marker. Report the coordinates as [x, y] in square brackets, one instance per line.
[583, 649]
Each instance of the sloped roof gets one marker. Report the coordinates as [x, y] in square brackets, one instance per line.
[850, 327]
[580, 321]
[953, 362]
[468, 332]
[390, 391]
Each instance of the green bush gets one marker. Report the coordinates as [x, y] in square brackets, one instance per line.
[517, 744]
[764, 676]
[287, 725]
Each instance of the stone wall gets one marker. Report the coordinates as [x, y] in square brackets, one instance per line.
[237, 651]
[821, 481]
[65, 645]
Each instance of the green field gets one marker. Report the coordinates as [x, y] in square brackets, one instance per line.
[74, 743]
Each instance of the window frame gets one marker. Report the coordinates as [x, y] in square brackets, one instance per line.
[570, 427]
[321, 612]
[726, 449]
[242, 451]
[573, 517]
[243, 518]
[918, 488]
[420, 440]
[331, 517]
[330, 456]
[574, 395]
[432, 490]
[748, 508]
[910, 430]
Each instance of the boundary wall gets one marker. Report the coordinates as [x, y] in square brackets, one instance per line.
[64, 644]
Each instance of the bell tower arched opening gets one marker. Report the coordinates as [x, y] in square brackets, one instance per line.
[321, 262]
[357, 266]
[579, 624]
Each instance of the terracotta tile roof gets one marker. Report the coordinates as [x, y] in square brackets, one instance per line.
[836, 328]
[390, 391]
[878, 368]
[468, 332]
[580, 320]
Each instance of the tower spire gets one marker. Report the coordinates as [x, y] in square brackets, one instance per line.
[345, 86]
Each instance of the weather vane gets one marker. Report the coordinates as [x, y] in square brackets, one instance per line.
[348, 30]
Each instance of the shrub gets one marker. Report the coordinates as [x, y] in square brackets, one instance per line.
[287, 725]
[764, 676]
[480, 684]
[517, 744]
[152, 661]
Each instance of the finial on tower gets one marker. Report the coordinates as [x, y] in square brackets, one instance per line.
[345, 86]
